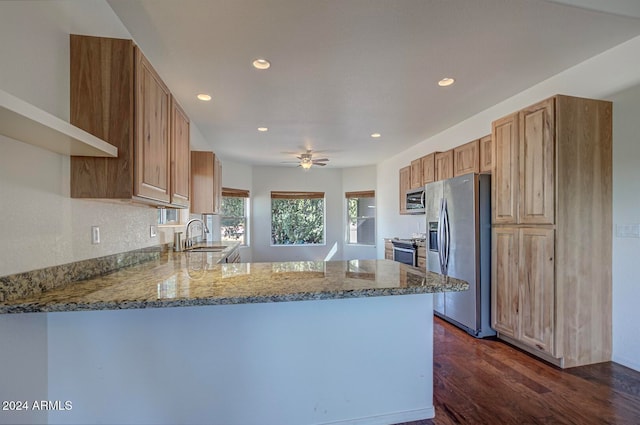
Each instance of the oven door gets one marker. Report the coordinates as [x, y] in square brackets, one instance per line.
[405, 255]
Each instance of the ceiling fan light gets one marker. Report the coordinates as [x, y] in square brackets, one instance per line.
[306, 164]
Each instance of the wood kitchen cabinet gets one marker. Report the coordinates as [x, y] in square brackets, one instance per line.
[117, 96]
[405, 184]
[206, 183]
[552, 220]
[486, 155]
[152, 150]
[180, 156]
[422, 257]
[388, 250]
[428, 168]
[524, 266]
[466, 158]
[416, 174]
[444, 165]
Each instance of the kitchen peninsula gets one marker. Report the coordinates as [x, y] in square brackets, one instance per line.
[256, 343]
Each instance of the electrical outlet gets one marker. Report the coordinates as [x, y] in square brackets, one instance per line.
[153, 231]
[95, 235]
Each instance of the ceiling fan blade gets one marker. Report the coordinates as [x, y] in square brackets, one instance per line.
[321, 159]
[322, 164]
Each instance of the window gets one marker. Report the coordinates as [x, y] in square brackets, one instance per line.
[168, 216]
[233, 215]
[297, 218]
[361, 217]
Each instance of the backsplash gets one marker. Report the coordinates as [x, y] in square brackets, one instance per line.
[42, 226]
[37, 281]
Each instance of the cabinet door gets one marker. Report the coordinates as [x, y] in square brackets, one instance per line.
[180, 156]
[416, 174]
[388, 250]
[217, 185]
[504, 280]
[466, 158]
[405, 184]
[101, 84]
[202, 164]
[486, 155]
[152, 150]
[504, 182]
[537, 156]
[537, 288]
[428, 168]
[444, 165]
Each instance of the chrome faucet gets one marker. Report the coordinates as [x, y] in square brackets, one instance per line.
[188, 242]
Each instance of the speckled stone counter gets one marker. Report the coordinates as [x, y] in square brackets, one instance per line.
[196, 279]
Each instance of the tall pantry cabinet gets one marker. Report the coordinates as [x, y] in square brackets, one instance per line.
[552, 230]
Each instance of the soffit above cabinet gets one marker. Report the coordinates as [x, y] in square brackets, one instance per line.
[26, 123]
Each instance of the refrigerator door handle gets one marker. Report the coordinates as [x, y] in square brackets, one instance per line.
[446, 237]
[442, 242]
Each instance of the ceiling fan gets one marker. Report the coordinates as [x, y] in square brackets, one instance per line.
[307, 160]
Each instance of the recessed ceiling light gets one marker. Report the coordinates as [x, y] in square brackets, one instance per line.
[376, 135]
[447, 81]
[204, 97]
[263, 129]
[261, 64]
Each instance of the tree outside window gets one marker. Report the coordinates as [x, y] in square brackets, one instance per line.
[233, 216]
[297, 218]
[361, 217]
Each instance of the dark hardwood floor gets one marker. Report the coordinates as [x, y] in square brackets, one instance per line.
[491, 382]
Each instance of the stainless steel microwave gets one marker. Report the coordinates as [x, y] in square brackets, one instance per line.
[415, 201]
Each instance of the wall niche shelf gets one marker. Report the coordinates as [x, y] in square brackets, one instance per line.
[22, 121]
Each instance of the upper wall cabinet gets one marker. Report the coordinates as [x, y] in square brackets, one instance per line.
[486, 155]
[444, 165]
[466, 158]
[180, 156]
[428, 168]
[206, 183]
[404, 185]
[117, 96]
[416, 174]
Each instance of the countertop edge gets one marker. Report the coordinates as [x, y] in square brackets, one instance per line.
[199, 302]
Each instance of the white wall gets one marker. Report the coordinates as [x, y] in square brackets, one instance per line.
[610, 75]
[354, 180]
[41, 226]
[308, 362]
[626, 210]
[267, 179]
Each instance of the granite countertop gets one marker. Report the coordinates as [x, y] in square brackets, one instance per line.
[195, 278]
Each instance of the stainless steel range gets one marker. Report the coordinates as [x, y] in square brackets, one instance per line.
[406, 251]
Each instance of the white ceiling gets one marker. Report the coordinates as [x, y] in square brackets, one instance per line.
[343, 69]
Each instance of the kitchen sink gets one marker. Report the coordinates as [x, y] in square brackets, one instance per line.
[212, 248]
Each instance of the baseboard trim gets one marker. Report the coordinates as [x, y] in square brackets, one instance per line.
[389, 418]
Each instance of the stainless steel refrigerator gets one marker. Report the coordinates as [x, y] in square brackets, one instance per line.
[458, 213]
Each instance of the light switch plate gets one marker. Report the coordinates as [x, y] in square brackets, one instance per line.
[628, 230]
[153, 231]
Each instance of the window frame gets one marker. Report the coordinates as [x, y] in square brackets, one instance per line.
[238, 193]
[292, 195]
[359, 195]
